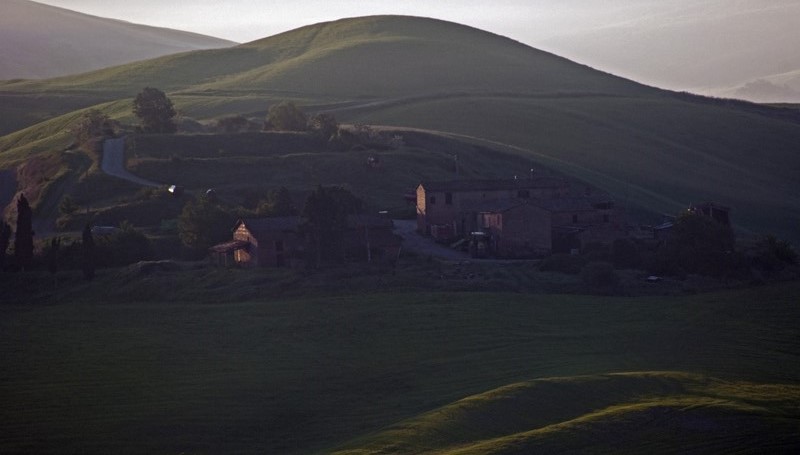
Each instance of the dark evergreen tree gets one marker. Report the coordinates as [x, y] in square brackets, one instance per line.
[325, 221]
[203, 224]
[282, 204]
[92, 124]
[155, 111]
[23, 240]
[87, 248]
[126, 245]
[52, 257]
[67, 206]
[286, 116]
[701, 245]
[279, 203]
[5, 238]
[323, 125]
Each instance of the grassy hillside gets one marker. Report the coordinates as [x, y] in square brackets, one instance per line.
[111, 367]
[235, 162]
[392, 55]
[651, 148]
[661, 153]
[657, 412]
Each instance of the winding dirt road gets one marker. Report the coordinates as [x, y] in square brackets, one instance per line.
[114, 162]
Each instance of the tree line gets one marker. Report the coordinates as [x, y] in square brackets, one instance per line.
[156, 114]
[23, 246]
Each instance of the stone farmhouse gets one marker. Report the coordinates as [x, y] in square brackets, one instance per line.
[523, 217]
[281, 242]
[262, 242]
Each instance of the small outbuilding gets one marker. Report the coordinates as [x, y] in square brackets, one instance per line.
[267, 242]
[224, 254]
[517, 229]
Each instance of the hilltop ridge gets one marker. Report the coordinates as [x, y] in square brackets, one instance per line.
[373, 56]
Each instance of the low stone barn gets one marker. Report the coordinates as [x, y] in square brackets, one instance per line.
[370, 237]
[224, 254]
[579, 221]
[536, 227]
[262, 242]
[517, 229]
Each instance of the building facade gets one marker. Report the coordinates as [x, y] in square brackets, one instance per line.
[518, 229]
[268, 242]
[456, 203]
[531, 217]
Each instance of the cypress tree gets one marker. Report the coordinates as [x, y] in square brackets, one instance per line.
[87, 247]
[23, 240]
[52, 259]
[52, 255]
[5, 237]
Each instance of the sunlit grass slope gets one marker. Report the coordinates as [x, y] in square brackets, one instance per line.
[375, 56]
[653, 412]
[352, 59]
[197, 362]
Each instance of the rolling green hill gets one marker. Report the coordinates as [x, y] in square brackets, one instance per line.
[653, 149]
[370, 57]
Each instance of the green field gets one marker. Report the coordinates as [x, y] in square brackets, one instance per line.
[384, 372]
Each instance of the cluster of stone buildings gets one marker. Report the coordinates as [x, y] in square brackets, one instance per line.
[518, 217]
[511, 218]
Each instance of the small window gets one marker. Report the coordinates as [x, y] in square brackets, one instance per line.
[523, 194]
[432, 200]
[448, 198]
[574, 218]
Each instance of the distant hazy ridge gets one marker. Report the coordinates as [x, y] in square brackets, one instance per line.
[41, 41]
